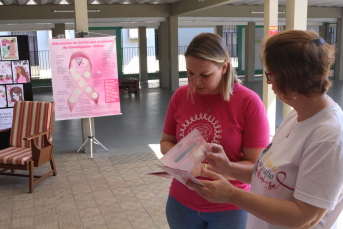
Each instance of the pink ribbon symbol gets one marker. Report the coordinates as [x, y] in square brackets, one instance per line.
[80, 69]
[278, 176]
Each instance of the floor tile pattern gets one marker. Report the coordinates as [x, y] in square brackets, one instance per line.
[104, 192]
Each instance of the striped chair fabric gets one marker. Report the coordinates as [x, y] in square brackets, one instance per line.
[29, 118]
[15, 155]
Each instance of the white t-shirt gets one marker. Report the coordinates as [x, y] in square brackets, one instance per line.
[308, 165]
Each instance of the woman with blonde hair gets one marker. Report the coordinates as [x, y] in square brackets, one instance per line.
[224, 112]
[297, 181]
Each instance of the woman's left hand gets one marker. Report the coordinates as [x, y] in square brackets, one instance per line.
[219, 190]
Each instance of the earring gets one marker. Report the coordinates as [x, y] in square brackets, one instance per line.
[294, 96]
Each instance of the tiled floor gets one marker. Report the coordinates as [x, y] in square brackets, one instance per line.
[106, 192]
[112, 190]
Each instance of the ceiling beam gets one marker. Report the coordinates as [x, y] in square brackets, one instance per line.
[190, 6]
[15, 12]
[324, 12]
[245, 11]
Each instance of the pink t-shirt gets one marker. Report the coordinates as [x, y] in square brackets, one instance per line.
[240, 123]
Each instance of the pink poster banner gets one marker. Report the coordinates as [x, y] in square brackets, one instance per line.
[84, 77]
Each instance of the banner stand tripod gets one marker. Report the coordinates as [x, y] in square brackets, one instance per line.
[91, 139]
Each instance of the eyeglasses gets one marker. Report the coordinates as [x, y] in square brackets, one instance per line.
[268, 75]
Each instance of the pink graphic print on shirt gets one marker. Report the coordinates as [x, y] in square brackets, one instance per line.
[267, 172]
[206, 125]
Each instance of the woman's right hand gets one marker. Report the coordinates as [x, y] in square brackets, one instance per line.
[218, 159]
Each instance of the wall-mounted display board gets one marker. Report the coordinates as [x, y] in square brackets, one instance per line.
[15, 79]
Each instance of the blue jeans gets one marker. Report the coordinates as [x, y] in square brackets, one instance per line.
[182, 217]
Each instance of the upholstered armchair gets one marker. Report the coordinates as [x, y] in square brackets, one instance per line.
[30, 141]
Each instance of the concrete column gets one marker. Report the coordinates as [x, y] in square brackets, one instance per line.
[81, 17]
[81, 24]
[163, 39]
[219, 30]
[53, 33]
[173, 51]
[322, 31]
[296, 19]
[60, 29]
[339, 53]
[269, 98]
[250, 52]
[296, 14]
[143, 54]
[326, 33]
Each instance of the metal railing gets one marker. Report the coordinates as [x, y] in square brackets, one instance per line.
[41, 69]
[130, 61]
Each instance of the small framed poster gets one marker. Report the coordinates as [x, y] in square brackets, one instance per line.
[15, 92]
[21, 71]
[6, 72]
[6, 117]
[272, 30]
[3, 98]
[9, 48]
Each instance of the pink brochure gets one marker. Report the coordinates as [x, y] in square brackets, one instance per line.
[179, 175]
[180, 160]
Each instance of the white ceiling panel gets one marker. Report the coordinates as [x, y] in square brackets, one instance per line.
[56, 2]
[319, 3]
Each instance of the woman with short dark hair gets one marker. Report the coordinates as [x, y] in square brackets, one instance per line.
[297, 181]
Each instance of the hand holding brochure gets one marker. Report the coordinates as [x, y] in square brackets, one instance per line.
[180, 160]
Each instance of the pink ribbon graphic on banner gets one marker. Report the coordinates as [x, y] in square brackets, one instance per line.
[80, 69]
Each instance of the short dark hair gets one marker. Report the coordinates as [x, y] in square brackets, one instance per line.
[298, 63]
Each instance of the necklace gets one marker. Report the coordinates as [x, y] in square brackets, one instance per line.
[294, 125]
[209, 107]
[309, 116]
